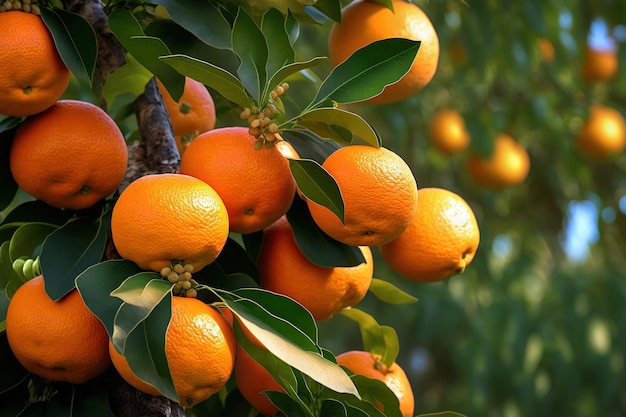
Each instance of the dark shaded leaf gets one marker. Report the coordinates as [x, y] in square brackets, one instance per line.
[9, 186]
[250, 46]
[317, 185]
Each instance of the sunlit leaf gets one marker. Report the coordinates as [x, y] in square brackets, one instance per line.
[250, 46]
[389, 293]
[331, 117]
[317, 185]
[368, 71]
[210, 75]
[377, 339]
[76, 41]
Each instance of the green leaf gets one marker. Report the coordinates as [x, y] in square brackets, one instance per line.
[129, 78]
[373, 392]
[96, 283]
[443, 414]
[317, 246]
[76, 41]
[332, 407]
[140, 293]
[146, 50]
[9, 186]
[292, 26]
[250, 46]
[9, 122]
[29, 237]
[317, 185]
[286, 404]
[281, 53]
[332, 118]
[389, 293]
[38, 211]
[210, 75]
[193, 15]
[69, 250]
[368, 71]
[91, 400]
[12, 372]
[283, 73]
[377, 339]
[387, 3]
[330, 8]
[309, 145]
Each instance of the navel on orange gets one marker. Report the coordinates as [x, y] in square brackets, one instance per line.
[57, 340]
[162, 219]
[440, 242]
[71, 155]
[364, 22]
[379, 193]
[32, 75]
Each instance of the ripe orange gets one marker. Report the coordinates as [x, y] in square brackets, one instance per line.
[369, 365]
[200, 350]
[600, 64]
[441, 241]
[546, 50]
[508, 165]
[169, 217]
[32, 75]
[71, 155]
[447, 132]
[323, 291]
[603, 133]
[364, 22]
[192, 114]
[252, 379]
[256, 185]
[379, 193]
[57, 340]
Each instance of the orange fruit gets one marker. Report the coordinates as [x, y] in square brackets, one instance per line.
[252, 380]
[32, 75]
[57, 340]
[379, 194]
[323, 291]
[192, 114]
[200, 350]
[162, 218]
[447, 132]
[603, 133]
[256, 185]
[508, 165]
[364, 22]
[71, 155]
[546, 50]
[371, 366]
[600, 64]
[441, 241]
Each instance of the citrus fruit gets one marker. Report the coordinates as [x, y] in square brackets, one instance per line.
[508, 165]
[371, 366]
[364, 22]
[603, 133]
[323, 291]
[252, 380]
[379, 194]
[447, 132]
[192, 114]
[164, 218]
[256, 185]
[546, 50]
[71, 155]
[32, 75]
[57, 340]
[200, 351]
[441, 241]
[600, 64]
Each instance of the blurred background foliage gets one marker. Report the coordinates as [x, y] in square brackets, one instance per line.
[533, 327]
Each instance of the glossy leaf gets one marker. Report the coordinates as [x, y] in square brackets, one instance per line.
[9, 186]
[69, 250]
[309, 145]
[330, 8]
[317, 185]
[286, 404]
[368, 71]
[389, 293]
[129, 78]
[317, 246]
[332, 118]
[29, 237]
[210, 75]
[331, 407]
[194, 15]
[75, 40]
[250, 46]
[292, 26]
[377, 339]
[281, 52]
[286, 71]
[146, 50]
[373, 393]
[9, 122]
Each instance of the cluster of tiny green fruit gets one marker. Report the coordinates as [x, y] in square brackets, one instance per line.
[180, 275]
[261, 121]
[28, 6]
